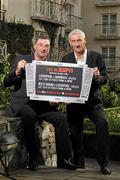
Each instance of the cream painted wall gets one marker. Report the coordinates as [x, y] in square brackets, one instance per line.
[77, 7]
[20, 10]
[92, 15]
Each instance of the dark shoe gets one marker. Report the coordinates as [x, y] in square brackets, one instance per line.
[80, 164]
[32, 164]
[67, 164]
[105, 169]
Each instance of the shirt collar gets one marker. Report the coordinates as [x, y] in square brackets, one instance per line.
[83, 59]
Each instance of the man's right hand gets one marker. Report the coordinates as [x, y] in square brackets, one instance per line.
[20, 66]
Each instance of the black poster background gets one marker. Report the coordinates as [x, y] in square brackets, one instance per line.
[58, 81]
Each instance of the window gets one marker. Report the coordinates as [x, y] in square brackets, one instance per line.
[69, 10]
[40, 7]
[109, 54]
[53, 9]
[109, 24]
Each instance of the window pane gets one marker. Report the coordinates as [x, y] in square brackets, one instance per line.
[109, 56]
[109, 24]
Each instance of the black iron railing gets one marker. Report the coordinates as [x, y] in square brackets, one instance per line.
[73, 21]
[47, 10]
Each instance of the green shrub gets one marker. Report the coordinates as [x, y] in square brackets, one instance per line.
[110, 97]
[18, 38]
[5, 93]
[113, 117]
[19, 41]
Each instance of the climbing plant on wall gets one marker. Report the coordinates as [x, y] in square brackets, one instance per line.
[18, 38]
[19, 41]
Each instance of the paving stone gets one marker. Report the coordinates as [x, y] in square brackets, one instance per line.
[91, 172]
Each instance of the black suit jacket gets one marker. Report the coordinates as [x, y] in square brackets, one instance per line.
[19, 96]
[94, 59]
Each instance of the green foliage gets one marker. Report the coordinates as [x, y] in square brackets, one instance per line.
[5, 93]
[110, 97]
[117, 87]
[19, 41]
[88, 125]
[18, 38]
[113, 117]
[114, 83]
[62, 107]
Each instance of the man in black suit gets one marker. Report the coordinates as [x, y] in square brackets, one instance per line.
[32, 111]
[93, 108]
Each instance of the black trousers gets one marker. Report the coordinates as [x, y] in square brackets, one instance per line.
[97, 116]
[37, 111]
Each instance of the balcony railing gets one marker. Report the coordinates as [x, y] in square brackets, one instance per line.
[107, 31]
[107, 2]
[73, 22]
[49, 11]
[2, 14]
[112, 64]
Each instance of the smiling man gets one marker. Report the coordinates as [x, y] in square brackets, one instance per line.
[32, 111]
[93, 108]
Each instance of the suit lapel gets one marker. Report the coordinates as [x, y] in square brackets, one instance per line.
[72, 58]
[32, 57]
[89, 59]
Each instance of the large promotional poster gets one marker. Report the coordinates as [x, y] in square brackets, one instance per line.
[55, 81]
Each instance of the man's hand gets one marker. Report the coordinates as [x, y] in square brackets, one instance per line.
[20, 66]
[53, 103]
[96, 73]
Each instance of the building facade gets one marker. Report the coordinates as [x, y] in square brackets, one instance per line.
[54, 17]
[98, 18]
[102, 27]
